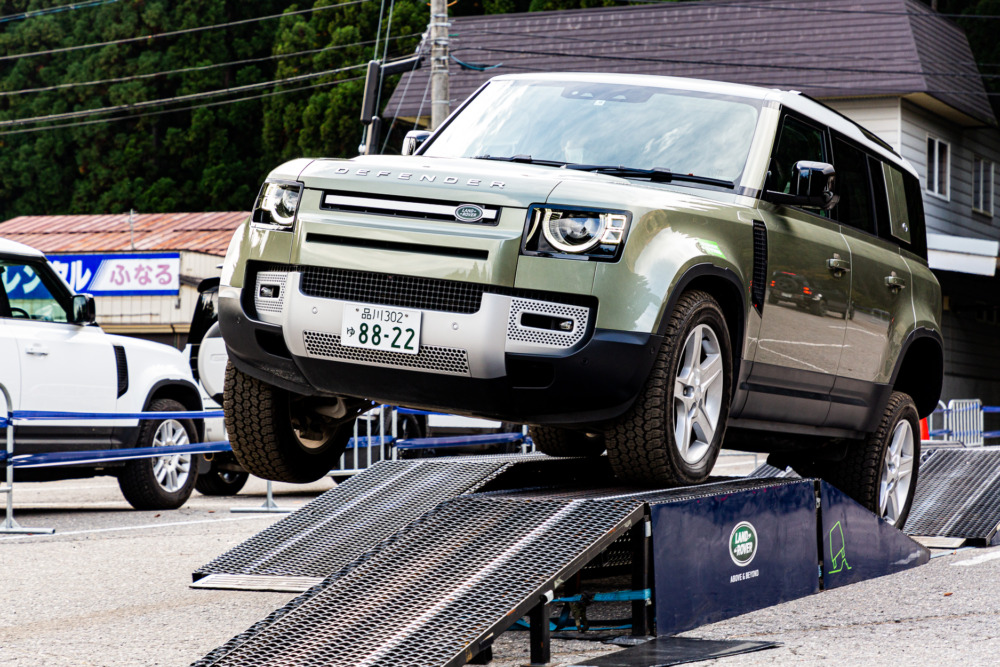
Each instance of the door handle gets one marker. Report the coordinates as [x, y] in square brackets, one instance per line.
[37, 351]
[895, 283]
[837, 266]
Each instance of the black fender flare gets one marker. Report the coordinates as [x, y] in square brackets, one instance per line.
[920, 333]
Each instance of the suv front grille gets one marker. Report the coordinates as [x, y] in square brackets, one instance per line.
[389, 290]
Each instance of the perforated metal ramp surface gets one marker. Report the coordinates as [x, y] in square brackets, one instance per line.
[346, 521]
[958, 496]
[439, 590]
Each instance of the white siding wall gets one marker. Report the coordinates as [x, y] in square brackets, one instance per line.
[881, 116]
[954, 216]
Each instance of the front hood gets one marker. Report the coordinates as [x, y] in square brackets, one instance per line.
[465, 180]
[452, 179]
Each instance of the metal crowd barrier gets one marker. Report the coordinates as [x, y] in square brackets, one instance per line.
[382, 443]
[963, 419]
[12, 460]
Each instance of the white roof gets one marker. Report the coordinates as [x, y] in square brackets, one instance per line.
[14, 248]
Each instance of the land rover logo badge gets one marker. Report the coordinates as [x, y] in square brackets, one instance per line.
[468, 213]
[743, 543]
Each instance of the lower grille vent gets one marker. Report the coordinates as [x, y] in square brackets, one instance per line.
[447, 360]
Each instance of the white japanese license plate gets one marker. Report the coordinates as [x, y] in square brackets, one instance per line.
[381, 328]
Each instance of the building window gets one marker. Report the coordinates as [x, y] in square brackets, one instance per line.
[938, 167]
[982, 185]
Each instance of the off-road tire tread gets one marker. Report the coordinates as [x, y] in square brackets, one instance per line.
[136, 480]
[635, 442]
[564, 442]
[255, 416]
[858, 473]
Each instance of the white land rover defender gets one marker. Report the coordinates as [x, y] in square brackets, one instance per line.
[54, 358]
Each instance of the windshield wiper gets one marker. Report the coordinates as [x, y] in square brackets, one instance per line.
[524, 159]
[657, 174]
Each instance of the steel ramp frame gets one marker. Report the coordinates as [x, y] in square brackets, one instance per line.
[447, 585]
[340, 525]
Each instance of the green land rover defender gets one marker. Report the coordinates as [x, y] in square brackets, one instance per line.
[642, 265]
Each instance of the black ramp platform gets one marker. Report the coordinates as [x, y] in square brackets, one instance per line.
[440, 590]
[319, 539]
[958, 496]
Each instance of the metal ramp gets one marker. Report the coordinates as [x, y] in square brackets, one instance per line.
[440, 591]
[337, 527]
[957, 498]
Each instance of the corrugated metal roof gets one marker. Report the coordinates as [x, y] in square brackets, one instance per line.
[209, 233]
[826, 50]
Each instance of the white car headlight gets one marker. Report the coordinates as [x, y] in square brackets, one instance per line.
[571, 232]
[277, 203]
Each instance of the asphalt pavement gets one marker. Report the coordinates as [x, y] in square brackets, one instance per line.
[111, 587]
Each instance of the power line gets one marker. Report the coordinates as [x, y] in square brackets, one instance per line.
[174, 33]
[172, 100]
[162, 112]
[196, 68]
[54, 10]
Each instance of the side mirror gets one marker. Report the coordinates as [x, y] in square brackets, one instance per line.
[413, 140]
[813, 186]
[84, 309]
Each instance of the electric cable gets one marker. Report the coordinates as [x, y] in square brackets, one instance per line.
[55, 10]
[172, 100]
[162, 112]
[194, 68]
[174, 33]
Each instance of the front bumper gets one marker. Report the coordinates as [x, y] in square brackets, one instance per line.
[482, 363]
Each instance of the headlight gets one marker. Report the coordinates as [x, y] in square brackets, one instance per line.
[575, 233]
[277, 203]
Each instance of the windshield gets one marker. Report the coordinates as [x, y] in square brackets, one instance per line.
[604, 124]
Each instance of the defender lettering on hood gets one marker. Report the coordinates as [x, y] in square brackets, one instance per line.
[428, 178]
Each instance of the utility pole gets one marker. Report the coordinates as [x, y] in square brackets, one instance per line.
[438, 28]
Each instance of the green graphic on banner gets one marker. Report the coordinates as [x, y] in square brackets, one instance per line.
[838, 549]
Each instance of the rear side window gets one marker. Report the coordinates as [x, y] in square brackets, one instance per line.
[899, 218]
[899, 206]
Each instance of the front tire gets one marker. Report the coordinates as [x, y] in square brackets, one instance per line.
[673, 432]
[165, 482]
[274, 435]
[880, 472]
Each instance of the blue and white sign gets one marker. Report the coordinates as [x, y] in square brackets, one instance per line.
[121, 275]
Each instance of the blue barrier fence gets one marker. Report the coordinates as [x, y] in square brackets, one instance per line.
[964, 421]
[11, 460]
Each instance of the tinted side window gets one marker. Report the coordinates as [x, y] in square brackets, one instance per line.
[28, 292]
[915, 206]
[899, 217]
[855, 206]
[797, 141]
